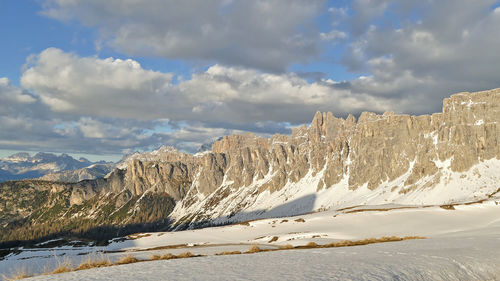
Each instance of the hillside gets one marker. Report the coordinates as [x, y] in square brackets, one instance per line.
[459, 244]
[444, 158]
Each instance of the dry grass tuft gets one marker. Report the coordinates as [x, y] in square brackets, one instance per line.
[285, 247]
[127, 259]
[254, 249]
[138, 235]
[168, 257]
[186, 255]
[300, 220]
[64, 266]
[228, 253]
[309, 246]
[155, 258]
[347, 243]
[61, 269]
[275, 238]
[312, 245]
[284, 221]
[19, 273]
[447, 207]
[93, 262]
[413, 237]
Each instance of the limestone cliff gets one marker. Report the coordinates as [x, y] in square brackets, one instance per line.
[388, 158]
[447, 157]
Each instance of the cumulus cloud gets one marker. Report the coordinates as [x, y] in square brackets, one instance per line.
[96, 87]
[116, 136]
[266, 35]
[192, 135]
[408, 54]
[104, 135]
[23, 118]
[30, 122]
[12, 97]
[108, 105]
[236, 97]
[246, 95]
[422, 57]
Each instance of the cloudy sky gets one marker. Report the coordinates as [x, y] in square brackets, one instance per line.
[103, 78]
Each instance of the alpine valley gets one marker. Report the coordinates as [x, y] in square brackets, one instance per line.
[443, 159]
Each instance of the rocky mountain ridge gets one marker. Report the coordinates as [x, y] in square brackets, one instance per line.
[91, 172]
[443, 158]
[430, 159]
[23, 166]
[408, 156]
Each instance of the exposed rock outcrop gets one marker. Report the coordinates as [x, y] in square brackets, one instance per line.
[332, 163]
[403, 154]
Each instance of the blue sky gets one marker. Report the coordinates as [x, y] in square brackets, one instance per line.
[103, 78]
[25, 31]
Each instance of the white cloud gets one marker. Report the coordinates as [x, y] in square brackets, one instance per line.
[410, 55]
[333, 35]
[416, 55]
[261, 34]
[233, 96]
[22, 116]
[29, 124]
[11, 96]
[97, 87]
[108, 105]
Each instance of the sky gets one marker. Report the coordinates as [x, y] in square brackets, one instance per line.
[103, 78]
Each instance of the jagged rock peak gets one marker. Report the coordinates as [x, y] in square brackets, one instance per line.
[446, 157]
[367, 152]
[232, 142]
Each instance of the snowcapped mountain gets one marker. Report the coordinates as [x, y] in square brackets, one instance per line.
[444, 158]
[93, 171]
[23, 166]
[162, 154]
[334, 163]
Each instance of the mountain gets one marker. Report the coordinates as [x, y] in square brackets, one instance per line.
[207, 146]
[162, 154]
[22, 165]
[334, 163]
[93, 171]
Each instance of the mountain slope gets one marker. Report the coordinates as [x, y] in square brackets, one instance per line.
[437, 159]
[88, 173]
[334, 163]
[460, 244]
[23, 166]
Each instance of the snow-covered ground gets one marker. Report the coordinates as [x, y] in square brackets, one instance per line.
[462, 244]
[444, 187]
[456, 258]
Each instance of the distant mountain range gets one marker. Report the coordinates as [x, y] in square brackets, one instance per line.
[445, 158]
[51, 166]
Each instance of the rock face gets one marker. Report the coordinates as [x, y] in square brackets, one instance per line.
[447, 157]
[389, 158]
[377, 159]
